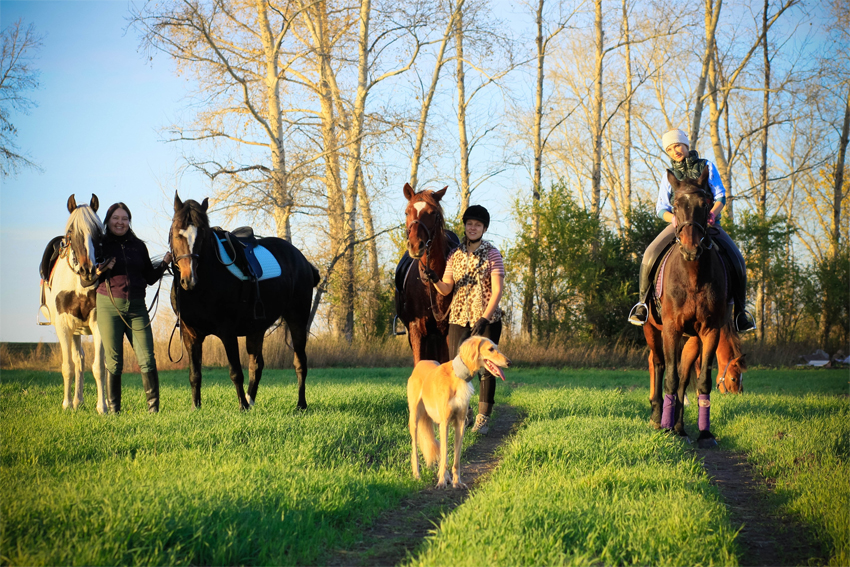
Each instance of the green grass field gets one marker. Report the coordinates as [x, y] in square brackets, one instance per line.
[584, 481]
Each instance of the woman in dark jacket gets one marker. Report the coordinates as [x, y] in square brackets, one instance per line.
[121, 306]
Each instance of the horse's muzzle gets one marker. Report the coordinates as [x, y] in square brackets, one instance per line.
[416, 254]
[188, 283]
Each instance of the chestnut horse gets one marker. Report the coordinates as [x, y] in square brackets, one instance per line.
[420, 307]
[211, 300]
[694, 302]
[731, 362]
[68, 294]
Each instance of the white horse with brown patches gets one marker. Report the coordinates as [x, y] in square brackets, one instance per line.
[69, 293]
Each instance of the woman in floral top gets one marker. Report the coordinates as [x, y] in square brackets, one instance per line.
[476, 273]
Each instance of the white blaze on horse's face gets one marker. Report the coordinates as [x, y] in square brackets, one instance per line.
[190, 233]
[419, 206]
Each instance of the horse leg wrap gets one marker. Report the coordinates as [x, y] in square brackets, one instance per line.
[704, 412]
[668, 414]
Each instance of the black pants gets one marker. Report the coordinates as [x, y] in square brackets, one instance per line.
[487, 387]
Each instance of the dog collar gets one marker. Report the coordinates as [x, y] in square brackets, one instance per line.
[461, 371]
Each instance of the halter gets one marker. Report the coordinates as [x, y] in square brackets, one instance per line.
[440, 317]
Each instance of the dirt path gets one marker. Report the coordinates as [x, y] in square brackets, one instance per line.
[765, 538]
[400, 531]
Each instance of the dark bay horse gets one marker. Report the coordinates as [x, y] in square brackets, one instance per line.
[695, 302]
[68, 292]
[211, 300]
[420, 307]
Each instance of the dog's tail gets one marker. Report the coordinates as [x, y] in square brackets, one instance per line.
[427, 441]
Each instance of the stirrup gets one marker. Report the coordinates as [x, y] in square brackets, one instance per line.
[633, 317]
[748, 325]
[396, 331]
[43, 313]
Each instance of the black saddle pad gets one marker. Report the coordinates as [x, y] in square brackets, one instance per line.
[48, 259]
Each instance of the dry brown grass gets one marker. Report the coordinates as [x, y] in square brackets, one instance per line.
[326, 351]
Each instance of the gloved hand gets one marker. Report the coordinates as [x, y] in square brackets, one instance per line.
[712, 218]
[431, 274]
[479, 326]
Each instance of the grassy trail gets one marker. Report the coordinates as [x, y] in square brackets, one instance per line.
[585, 480]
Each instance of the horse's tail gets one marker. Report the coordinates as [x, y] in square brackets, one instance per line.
[427, 440]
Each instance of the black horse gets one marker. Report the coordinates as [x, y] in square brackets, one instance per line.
[213, 300]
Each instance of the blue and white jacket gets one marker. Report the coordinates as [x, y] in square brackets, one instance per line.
[665, 191]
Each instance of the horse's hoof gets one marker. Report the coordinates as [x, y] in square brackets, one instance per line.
[655, 424]
[707, 443]
[301, 407]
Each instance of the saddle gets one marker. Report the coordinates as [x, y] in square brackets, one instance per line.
[240, 244]
[48, 259]
[239, 250]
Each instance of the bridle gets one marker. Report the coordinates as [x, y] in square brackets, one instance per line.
[706, 236]
[440, 317]
[64, 252]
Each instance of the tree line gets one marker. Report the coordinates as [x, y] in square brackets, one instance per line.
[307, 109]
[307, 114]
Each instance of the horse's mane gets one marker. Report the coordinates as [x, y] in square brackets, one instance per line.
[84, 220]
[192, 214]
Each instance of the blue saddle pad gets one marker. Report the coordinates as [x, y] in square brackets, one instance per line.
[268, 263]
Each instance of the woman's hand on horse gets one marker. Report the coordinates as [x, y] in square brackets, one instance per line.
[432, 275]
[167, 258]
[712, 218]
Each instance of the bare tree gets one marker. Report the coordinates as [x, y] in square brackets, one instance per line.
[17, 77]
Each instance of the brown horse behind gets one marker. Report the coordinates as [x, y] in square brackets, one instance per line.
[694, 303]
[423, 311]
[731, 362]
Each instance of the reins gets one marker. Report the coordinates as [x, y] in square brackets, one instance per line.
[703, 227]
[424, 279]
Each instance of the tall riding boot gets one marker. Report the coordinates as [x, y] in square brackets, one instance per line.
[150, 382]
[113, 391]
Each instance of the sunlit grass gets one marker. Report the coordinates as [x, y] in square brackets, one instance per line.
[585, 480]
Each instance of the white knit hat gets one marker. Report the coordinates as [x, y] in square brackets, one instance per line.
[674, 137]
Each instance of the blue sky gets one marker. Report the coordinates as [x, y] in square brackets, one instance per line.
[94, 131]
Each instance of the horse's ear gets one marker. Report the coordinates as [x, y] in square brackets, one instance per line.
[671, 178]
[742, 362]
[703, 177]
[439, 194]
[95, 203]
[408, 191]
[205, 204]
[72, 203]
[178, 204]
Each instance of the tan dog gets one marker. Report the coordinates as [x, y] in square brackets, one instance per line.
[439, 393]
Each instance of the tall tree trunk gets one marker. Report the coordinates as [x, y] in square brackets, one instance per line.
[373, 267]
[626, 200]
[715, 116]
[429, 96]
[596, 174]
[712, 16]
[281, 199]
[354, 169]
[835, 232]
[761, 194]
[461, 115]
[531, 280]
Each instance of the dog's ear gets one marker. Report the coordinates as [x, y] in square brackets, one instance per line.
[469, 352]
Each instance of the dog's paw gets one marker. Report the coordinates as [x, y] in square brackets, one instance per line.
[458, 484]
[441, 484]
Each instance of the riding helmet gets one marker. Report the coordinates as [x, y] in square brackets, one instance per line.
[479, 213]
